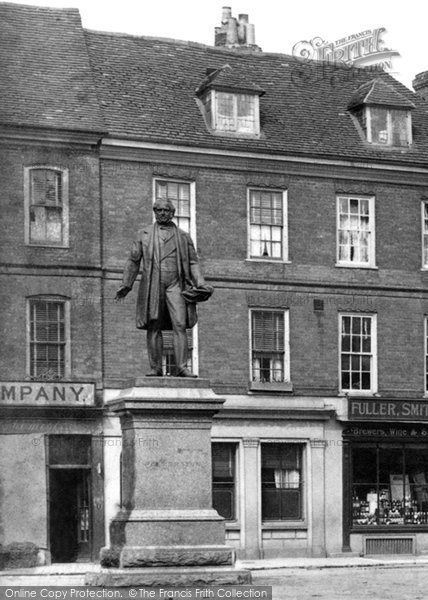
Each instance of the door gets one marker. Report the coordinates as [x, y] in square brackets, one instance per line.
[69, 515]
[70, 498]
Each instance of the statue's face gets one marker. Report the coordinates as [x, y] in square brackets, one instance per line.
[163, 212]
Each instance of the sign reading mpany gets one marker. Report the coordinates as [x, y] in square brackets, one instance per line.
[46, 394]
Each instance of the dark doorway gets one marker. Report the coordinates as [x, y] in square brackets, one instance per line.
[70, 515]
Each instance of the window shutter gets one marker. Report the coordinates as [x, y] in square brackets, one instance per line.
[267, 331]
[167, 337]
[46, 187]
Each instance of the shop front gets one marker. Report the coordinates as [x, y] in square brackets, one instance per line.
[51, 442]
[385, 473]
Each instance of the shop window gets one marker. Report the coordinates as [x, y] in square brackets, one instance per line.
[357, 353]
[282, 482]
[390, 484]
[355, 232]
[168, 359]
[46, 198]
[223, 479]
[267, 225]
[269, 346]
[180, 193]
[48, 338]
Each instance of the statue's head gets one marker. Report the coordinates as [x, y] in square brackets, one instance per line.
[164, 211]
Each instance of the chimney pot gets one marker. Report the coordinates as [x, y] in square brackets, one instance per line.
[232, 31]
[235, 33]
[226, 14]
[251, 35]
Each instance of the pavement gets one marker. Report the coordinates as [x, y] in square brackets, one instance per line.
[73, 574]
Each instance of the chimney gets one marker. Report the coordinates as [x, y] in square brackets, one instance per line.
[235, 33]
[420, 84]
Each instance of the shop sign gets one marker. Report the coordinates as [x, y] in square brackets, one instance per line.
[370, 431]
[387, 410]
[37, 393]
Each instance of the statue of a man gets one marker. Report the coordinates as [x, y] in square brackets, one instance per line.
[169, 266]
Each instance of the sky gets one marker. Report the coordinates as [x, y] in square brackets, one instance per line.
[279, 24]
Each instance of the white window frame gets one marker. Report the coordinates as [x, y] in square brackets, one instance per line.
[284, 246]
[215, 120]
[191, 184]
[64, 200]
[374, 355]
[192, 233]
[286, 364]
[371, 263]
[67, 332]
[424, 243]
[389, 126]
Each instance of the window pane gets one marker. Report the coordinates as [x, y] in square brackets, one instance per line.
[399, 128]
[266, 219]
[45, 187]
[245, 113]
[223, 474]
[354, 230]
[179, 195]
[379, 125]
[47, 339]
[356, 356]
[281, 482]
[45, 212]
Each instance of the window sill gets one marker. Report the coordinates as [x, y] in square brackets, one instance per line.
[359, 394]
[46, 245]
[271, 386]
[356, 266]
[236, 134]
[284, 525]
[232, 525]
[276, 261]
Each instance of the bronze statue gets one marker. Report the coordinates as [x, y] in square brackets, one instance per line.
[169, 268]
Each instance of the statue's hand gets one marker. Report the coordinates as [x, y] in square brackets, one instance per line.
[121, 293]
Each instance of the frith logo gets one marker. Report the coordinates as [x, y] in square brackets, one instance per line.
[364, 49]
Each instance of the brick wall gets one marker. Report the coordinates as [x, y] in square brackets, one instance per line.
[221, 200]
[84, 213]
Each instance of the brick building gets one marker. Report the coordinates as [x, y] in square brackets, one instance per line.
[305, 188]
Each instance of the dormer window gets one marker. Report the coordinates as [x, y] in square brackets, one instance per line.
[386, 126]
[383, 113]
[230, 104]
[235, 112]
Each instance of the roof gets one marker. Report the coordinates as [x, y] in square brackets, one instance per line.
[147, 91]
[46, 80]
[228, 78]
[378, 92]
[55, 74]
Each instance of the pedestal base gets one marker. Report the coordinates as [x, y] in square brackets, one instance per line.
[167, 524]
[168, 577]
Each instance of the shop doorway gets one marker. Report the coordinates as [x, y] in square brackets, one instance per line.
[70, 516]
[71, 494]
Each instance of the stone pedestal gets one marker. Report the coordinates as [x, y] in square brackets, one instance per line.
[167, 520]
